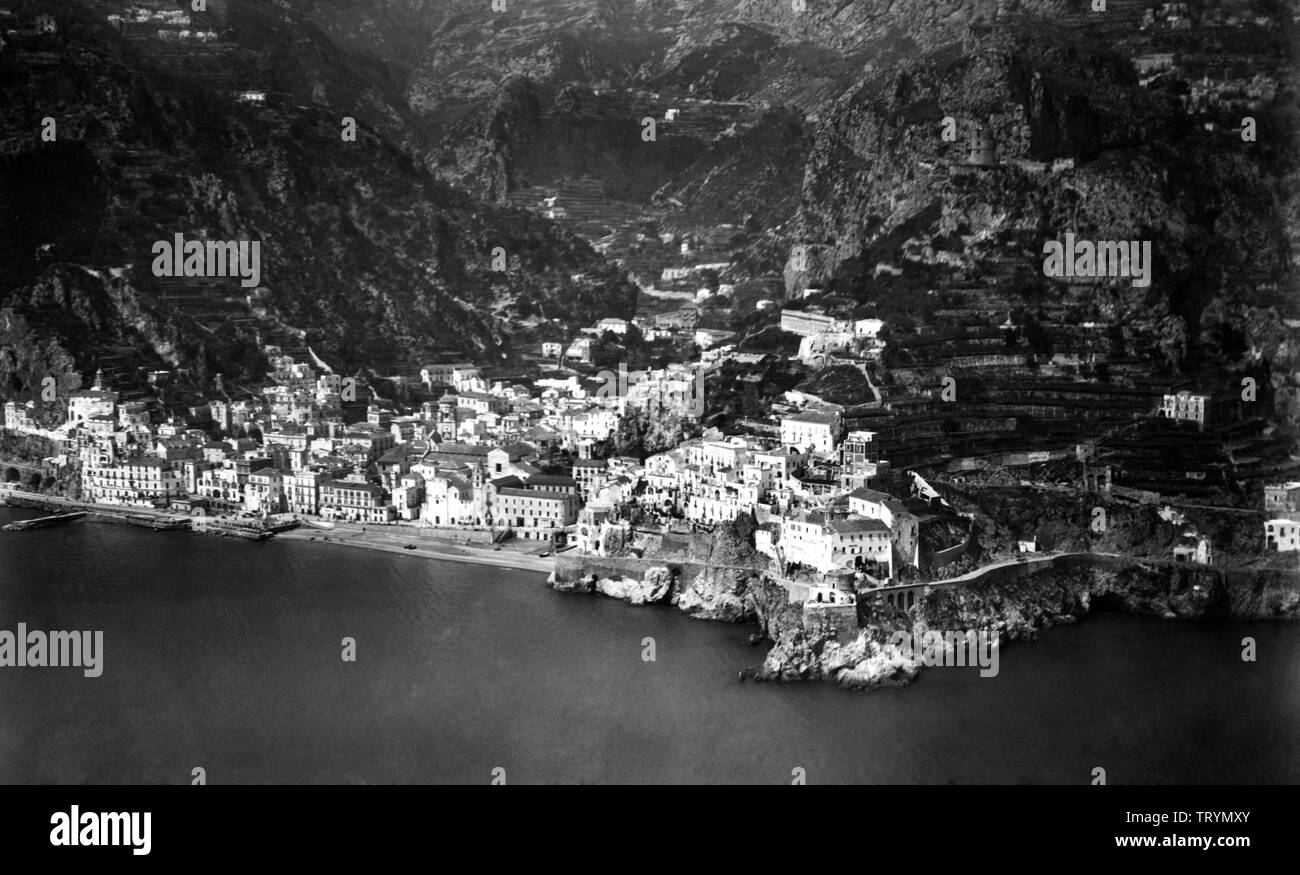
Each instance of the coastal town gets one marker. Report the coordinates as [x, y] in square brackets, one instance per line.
[883, 395]
[663, 392]
[542, 464]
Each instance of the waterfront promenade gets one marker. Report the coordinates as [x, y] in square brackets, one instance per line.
[386, 539]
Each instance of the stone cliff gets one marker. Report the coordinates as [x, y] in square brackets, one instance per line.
[1074, 143]
[718, 577]
[1017, 610]
[821, 643]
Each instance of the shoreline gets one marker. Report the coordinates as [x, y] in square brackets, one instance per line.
[384, 539]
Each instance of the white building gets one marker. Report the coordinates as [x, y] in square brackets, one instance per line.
[806, 323]
[1185, 406]
[868, 327]
[580, 350]
[139, 481]
[1282, 535]
[617, 326]
[828, 545]
[811, 429]
[448, 374]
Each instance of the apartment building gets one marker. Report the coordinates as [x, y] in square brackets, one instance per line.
[264, 491]
[355, 502]
[135, 481]
[302, 491]
[534, 514]
[815, 430]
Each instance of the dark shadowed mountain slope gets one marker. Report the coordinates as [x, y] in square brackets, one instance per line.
[363, 255]
[1075, 145]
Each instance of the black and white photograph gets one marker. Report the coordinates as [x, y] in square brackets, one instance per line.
[649, 392]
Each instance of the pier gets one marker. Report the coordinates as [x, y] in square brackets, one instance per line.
[227, 529]
[42, 522]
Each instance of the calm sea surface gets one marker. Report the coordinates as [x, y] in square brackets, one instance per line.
[226, 655]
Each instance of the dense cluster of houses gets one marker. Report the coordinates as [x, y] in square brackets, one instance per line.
[493, 456]
[1188, 16]
[482, 457]
[153, 18]
[466, 460]
[472, 458]
[811, 490]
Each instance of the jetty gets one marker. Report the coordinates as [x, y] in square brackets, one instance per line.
[43, 522]
[228, 529]
[161, 525]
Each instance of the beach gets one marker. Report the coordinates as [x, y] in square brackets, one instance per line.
[387, 539]
[393, 539]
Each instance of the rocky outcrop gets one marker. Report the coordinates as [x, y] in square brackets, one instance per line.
[650, 589]
[856, 647]
[1018, 610]
[716, 577]
[859, 663]
[653, 587]
[715, 594]
[530, 134]
[705, 593]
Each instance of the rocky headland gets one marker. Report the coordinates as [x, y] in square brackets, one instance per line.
[856, 648]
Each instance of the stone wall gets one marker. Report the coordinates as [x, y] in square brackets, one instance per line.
[823, 619]
[453, 533]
